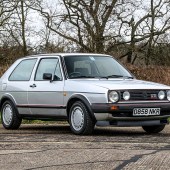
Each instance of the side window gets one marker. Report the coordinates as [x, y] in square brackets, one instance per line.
[57, 74]
[23, 70]
[48, 65]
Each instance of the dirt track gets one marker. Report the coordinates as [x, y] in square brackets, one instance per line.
[55, 147]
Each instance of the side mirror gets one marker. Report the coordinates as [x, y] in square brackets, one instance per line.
[47, 76]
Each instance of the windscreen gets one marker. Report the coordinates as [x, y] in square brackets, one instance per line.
[94, 67]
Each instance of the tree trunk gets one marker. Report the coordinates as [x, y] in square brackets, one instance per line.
[24, 47]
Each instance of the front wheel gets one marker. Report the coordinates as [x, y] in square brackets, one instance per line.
[9, 116]
[80, 120]
[153, 129]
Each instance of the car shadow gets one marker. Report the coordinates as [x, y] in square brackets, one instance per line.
[98, 131]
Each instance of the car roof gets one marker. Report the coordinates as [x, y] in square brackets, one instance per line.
[65, 54]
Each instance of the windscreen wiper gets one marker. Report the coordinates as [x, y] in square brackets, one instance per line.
[76, 77]
[128, 77]
[117, 76]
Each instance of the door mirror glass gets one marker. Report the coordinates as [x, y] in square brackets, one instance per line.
[47, 76]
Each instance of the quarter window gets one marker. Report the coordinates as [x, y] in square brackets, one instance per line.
[23, 70]
[48, 65]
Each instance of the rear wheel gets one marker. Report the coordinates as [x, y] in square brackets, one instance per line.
[153, 129]
[9, 116]
[80, 120]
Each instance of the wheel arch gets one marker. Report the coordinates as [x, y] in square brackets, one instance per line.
[5, 98]
[15, 118]
[83, 99]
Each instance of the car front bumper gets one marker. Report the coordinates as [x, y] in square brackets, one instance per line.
[121, 114]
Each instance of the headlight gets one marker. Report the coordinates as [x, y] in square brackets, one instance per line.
[168, 95]
[113, 96]
[161, 95]
[126, 95]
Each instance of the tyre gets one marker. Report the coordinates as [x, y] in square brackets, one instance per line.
[9, 116]
[153, 129]
[80, 120]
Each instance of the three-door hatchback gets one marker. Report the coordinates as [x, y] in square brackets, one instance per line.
[85, 89]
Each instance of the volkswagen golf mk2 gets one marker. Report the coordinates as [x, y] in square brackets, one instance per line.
[87, 90]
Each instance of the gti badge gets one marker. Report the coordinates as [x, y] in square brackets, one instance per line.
[153, 96]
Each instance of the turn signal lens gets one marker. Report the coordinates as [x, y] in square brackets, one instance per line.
[168, 95]
[114, 108]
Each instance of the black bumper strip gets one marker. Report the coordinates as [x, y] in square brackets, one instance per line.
[127, 108]
[42, 106]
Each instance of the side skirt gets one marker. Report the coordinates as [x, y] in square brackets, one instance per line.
[44, 117]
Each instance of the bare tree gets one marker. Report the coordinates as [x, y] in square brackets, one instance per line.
[6, 10]
[147, 28]
[48, 42]
[18, 28]
[22, 18]
[82, 22]
[160, 12]
[98, 26]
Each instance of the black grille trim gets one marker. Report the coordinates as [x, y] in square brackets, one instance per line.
[148, 95]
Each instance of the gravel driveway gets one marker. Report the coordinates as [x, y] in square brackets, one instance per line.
[54, 147]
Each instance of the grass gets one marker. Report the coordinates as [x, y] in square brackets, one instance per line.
[169, 119]
[25, 121]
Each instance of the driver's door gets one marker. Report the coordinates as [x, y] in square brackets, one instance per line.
[45, 97]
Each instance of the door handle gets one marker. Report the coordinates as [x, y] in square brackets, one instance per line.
[33, 85]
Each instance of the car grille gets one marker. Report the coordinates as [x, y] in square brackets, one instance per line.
[143, 95]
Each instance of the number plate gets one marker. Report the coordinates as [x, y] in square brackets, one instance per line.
[146, 111]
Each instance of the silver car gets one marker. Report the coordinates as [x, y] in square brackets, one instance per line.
[85, 89]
